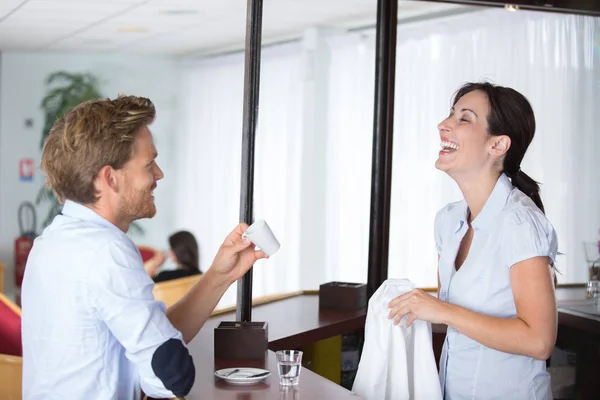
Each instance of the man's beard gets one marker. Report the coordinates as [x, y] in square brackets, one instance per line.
[138, 204]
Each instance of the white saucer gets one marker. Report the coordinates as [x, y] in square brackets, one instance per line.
[241, 377]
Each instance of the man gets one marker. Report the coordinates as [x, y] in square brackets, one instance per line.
[91, 327]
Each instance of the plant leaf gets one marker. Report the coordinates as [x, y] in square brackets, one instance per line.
[134, 228]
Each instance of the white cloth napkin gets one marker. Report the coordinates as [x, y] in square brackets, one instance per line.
[397, 363]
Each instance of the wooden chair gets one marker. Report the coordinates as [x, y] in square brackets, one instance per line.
[2, 269]
[169, 292]
[148, 253]
[11, 375]
[11, 361]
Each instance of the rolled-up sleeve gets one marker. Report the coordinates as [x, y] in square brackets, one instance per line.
[120, 292]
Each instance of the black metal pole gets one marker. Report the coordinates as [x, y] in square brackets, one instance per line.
[383, 127]
[251, 90]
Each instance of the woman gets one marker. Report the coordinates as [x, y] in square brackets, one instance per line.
[496, 252]
[183, 252]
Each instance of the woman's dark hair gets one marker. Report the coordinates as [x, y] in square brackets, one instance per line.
[185, 247]
[511, 115]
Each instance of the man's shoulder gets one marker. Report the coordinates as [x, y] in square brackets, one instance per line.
[82, 234]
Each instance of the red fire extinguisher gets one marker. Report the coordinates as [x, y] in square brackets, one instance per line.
[24, 242]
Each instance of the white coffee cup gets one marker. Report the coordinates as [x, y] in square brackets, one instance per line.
[261, 235]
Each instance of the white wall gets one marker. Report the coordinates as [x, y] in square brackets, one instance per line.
[22, 86]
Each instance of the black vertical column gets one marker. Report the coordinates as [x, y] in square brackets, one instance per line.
[383, 127]
[251, 90]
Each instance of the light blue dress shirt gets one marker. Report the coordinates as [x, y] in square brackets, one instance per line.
[509, 229]
[91, 326]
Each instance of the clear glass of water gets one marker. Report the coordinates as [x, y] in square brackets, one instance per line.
[594, 291]
[289, 363]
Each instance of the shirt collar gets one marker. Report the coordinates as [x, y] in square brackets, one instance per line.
[494, 204]
[81, 212]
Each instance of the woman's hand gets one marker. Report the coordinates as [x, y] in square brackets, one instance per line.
[418, 305]
[151, 266]
[236, 255]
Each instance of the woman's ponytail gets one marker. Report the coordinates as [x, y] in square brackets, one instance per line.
[525, 184]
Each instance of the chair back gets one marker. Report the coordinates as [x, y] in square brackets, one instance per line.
[11, 350]
[147, 252]
[10, 328]
[169, 292]
[11, 376]
[2, 268]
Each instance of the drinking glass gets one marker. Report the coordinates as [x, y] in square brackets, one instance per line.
[594, 291]
[592, 256]
[289, 364]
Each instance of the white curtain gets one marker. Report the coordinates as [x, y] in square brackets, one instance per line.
[348, 164]
[208, 152]
[548, 57]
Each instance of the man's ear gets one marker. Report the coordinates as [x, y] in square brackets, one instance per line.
[500, 145]
[107, 178]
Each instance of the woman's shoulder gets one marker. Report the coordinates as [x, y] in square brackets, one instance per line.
[520, 209]
[525, 229]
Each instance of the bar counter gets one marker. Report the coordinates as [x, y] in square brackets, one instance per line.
[297, 321]
[293, 322]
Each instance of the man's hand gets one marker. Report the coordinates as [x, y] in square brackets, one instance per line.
[233, 260]
[236, 255]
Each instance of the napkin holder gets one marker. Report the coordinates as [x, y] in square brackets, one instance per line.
[343, 296]
[236, 340]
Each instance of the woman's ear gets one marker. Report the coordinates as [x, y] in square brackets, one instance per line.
[500, 145]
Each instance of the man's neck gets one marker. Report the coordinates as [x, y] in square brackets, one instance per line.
[109, 214]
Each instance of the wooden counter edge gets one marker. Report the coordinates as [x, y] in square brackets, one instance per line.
[282, 296]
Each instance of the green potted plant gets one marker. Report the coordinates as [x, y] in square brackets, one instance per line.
[66, 90]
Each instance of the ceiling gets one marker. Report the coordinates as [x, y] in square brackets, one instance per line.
[178, 27]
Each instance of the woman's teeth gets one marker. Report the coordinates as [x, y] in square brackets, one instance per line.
[448, 146]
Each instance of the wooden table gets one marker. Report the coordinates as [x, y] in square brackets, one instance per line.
[579, 332]
[293, 323]
[297, 321]
[570, 314]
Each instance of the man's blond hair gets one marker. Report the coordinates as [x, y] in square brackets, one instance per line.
[90, 136]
